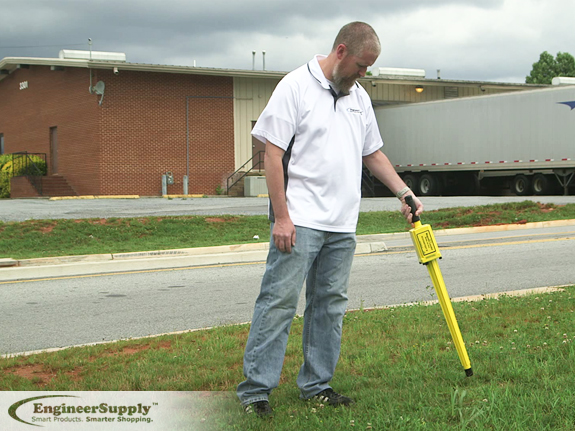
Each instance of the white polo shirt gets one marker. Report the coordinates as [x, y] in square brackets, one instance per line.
[330, 136]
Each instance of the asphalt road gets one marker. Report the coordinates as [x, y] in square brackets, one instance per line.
[26, 209]
[40, 314]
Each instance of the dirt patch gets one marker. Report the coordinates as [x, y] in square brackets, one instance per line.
[47, 229]
[101, 221]
[547, 208]
[32, 372]
[43, 226]
[132, 350]
[40, 376]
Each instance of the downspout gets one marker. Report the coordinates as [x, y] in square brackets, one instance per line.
[187, 138]
[91, 90]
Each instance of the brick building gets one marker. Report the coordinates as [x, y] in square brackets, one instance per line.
[109, 127]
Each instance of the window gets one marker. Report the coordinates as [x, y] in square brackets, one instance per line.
[1, 143]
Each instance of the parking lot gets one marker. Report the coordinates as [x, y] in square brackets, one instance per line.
[26, 209]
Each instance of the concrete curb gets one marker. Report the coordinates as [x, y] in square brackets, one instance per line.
[65, 266]
[65, 198]
[144, 261]
[7, 262]
[182, 196]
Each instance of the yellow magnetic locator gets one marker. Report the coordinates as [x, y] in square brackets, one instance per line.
[424, 242]
[428, 253]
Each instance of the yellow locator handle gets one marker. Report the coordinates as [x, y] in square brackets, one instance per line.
[428, 253]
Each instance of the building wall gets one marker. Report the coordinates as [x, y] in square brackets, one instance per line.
[149, 123]
[250, 98]
[400, 93]
[146, 133]
[252, 94]
[54, 99]
[139, 132]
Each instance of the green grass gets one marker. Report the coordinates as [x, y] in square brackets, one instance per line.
[399, 364]
[48, 238]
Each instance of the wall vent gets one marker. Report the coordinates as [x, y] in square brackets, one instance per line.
[451, 92]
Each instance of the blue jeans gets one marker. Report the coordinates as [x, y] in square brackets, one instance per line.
[325, 258]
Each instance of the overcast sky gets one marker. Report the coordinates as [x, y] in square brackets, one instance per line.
[490, 40]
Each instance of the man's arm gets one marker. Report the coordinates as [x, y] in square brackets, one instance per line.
[381, 167]
[284, 230]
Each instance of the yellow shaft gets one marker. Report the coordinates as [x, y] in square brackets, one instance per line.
[445, 302]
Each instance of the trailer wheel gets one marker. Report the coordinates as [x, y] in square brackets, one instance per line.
[411, 182]
[429, 185]
[521, 185]
[541, 185]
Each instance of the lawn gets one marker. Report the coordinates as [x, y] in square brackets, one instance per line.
[50, 238]
[398, 363]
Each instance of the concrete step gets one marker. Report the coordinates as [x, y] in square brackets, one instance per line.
[57, 185]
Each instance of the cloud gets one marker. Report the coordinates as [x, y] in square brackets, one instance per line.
[468, 42]
[470, 39]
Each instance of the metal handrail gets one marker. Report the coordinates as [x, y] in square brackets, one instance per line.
[31, 169]
[260, 162]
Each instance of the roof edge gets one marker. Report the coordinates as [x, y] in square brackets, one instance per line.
[11, 64]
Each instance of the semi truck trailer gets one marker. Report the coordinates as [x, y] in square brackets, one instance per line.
[523, 142]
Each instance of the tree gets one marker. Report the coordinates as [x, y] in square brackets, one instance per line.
[565, 64]
[548, 67]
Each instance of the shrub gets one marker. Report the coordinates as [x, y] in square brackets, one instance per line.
[10, 167]
[5, 158]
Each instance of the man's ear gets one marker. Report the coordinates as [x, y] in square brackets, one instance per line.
[341, 51]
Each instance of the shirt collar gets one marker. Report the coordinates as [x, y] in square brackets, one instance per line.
[315, 70]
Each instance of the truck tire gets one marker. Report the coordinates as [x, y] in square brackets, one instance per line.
[541, 185]
[411, 182]
[429, 185]
[521, 185]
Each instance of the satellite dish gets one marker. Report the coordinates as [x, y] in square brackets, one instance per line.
[99, 89]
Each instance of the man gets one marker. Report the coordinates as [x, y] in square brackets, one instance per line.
[318, 127]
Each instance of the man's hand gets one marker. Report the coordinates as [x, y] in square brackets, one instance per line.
[284, 234]
[381, 167]
[284, 231]
[406, 209]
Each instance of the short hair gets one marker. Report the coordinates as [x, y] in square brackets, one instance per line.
[358, 37]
